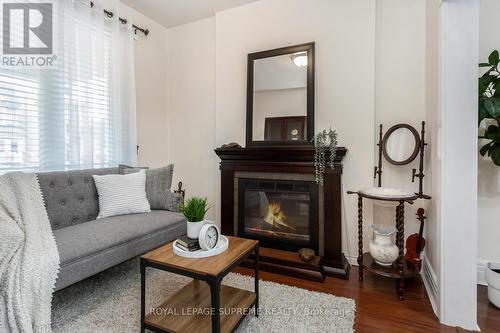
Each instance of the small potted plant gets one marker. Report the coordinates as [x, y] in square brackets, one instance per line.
[194, 209]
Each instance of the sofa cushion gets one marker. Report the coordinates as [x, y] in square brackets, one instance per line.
[86, 239]
[122, 194]
[70, 196]
[158, 184]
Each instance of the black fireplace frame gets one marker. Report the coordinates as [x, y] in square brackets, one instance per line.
[280, 186]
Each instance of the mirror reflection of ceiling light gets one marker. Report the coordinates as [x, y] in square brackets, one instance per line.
[300, 59]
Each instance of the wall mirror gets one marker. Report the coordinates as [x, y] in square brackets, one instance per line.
[280, 96]
[401, 144]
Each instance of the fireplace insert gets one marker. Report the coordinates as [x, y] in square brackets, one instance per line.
[281, 214]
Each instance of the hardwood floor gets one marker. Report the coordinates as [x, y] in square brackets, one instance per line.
[378, 308]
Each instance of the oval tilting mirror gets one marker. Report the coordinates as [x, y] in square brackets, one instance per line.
[401, 144]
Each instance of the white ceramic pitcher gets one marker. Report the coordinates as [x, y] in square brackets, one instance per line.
[382, 248]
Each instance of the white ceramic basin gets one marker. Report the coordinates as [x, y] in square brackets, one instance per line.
[388, 193]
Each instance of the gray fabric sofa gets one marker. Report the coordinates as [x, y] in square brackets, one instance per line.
[88, 246]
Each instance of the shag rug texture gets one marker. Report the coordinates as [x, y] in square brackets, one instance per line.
[110, 302]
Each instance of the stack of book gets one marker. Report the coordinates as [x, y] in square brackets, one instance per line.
[188, 244]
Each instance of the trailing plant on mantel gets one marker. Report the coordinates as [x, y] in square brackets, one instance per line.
[322, 140]
[489, 107]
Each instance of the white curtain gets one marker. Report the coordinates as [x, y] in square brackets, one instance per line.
[80, 113]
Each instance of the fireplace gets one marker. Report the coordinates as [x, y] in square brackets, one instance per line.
[281, 214]
[270, 194]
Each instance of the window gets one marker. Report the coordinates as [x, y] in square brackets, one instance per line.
[19, 125]
[64, 117]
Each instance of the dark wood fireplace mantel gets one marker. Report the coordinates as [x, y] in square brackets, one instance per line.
[295, 160]
[275, 154]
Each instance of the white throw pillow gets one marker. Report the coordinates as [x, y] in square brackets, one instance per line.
[122, 194]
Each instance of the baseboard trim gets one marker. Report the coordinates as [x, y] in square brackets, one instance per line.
[431, 284]
[481, 272]
[353, 260]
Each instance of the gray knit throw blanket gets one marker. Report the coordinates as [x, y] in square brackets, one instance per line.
[29, 261]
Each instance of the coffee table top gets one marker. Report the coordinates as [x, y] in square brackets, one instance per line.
[214, 266]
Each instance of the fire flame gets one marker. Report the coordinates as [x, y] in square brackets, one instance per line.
[275, 216]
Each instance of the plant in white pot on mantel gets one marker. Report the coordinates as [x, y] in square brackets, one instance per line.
[489, 119]
[194, 209]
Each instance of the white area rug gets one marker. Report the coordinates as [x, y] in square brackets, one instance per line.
[110, 302]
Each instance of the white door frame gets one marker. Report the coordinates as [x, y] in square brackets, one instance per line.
[459, 48]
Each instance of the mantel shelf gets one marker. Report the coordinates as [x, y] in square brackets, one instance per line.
[277, 154]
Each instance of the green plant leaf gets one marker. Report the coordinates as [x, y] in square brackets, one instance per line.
[494, 58]
[484, 64]
[484, 149]
[482, 89]
[482, 111]
[495, 153]
[497, 92]
[487, 78]
[194, 209]
[484, 82]
[496, 87]
[493, 106]
[496, 106]
[488, 105]
[492, 133]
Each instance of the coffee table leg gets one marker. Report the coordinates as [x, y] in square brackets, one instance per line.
[143, 294]
[215, 295]
[256, 278]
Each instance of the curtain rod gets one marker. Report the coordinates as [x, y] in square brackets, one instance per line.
[110, 14]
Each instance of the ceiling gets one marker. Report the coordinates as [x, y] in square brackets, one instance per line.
[170, 13]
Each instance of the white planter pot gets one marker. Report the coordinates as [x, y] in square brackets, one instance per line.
[493, 280]
[382, 249]
[193, 229]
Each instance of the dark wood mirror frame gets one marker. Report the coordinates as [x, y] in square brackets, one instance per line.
[307, 47]
[415, 152]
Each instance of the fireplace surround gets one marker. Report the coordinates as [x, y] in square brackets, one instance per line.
[279, 184]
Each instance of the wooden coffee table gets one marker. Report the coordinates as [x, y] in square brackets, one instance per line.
[199, 306]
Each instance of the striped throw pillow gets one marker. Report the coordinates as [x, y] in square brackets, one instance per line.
[122, 194]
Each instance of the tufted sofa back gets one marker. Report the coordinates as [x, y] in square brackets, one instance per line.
[71, 196]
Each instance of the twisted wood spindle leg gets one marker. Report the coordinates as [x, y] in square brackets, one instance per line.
[400, 215]
[360, 237]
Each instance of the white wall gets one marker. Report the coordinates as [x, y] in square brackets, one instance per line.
[400, 91]
[191, 106]
[457, 164]
[345, 56]
[489, 174]
[278, 72]
[432, 180]
[276, 103]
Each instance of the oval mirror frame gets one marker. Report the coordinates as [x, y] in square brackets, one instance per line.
[386, 139]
